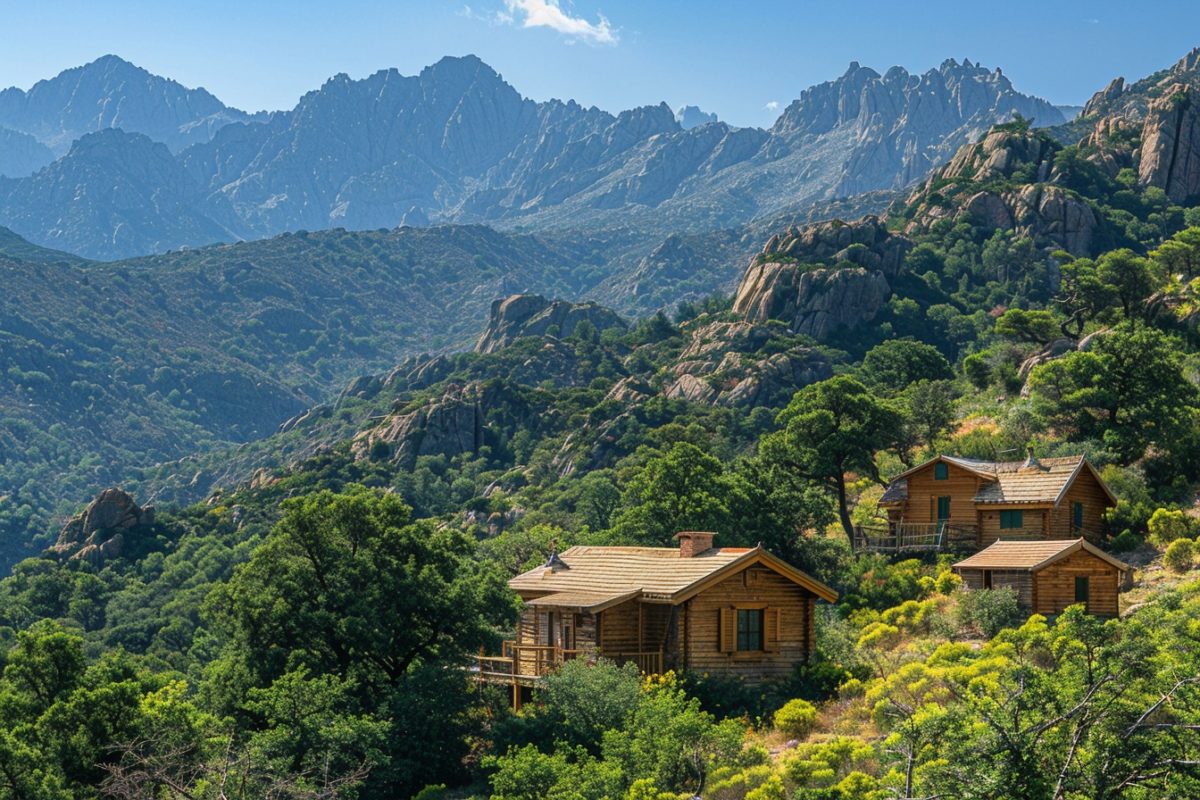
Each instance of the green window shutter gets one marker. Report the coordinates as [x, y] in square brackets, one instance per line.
[1081, 590]
[1012, 519]
[1077, 514]
[943, 508]
[941, 472]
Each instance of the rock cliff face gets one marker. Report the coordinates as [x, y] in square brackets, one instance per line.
[965, 190]
[533, 315]
[865, 242]
[823, 277]
[814, 302]
[100, 532]
[451, 425]
[723, 365]
[1170, 153]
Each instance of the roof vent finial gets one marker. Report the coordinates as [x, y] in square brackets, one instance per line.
[553, 562]
[1031, 460]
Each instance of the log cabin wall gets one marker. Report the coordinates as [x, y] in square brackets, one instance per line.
[1054, 585]
[1034, 523]
[1020, 581]
[756, 587]
[1086, 490]
[619, 628]
[924, 489]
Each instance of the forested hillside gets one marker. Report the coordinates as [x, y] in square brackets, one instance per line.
[298, 616]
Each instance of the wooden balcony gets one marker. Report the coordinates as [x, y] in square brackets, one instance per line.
[527, 665]
[914, 537]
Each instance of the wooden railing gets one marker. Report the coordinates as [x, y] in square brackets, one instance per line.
[526, 664]
[913, 537]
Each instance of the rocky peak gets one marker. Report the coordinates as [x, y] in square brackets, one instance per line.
[533, 315]
[100, 531]
[113, 93]
[690, 117]
[1103, 98]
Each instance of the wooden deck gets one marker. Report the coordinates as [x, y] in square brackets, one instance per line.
[914, 537]
[526, 666]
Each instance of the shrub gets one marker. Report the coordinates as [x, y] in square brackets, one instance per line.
[947, 582]
[1168, 525]
[989, 611]
[796, 718]
[1180, 555]
[1124, 542]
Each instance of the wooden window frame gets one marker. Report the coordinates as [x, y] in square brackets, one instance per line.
[750, 633]
[1077, 512]
[941, 471]
[769, 633]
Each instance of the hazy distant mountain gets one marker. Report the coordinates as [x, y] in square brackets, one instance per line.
[21, 154]
[116, 195]
[690, 117]
[112, 93]
[456, 143]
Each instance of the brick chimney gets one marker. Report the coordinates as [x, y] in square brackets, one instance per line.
[693, 543]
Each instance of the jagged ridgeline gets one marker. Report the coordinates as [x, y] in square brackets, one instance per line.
[149, 165]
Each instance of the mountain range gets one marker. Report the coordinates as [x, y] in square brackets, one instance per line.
[149, 165]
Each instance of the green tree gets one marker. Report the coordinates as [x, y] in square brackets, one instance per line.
[346, 584]
[1035, 327]
[892, 365]
[829, 430]
[680, 489]
[1129, 390]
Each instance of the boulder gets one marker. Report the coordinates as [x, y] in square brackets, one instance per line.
[100, 531]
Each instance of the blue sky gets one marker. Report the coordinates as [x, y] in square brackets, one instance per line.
[735, 58]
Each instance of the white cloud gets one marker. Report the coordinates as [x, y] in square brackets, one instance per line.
[772, 105]
[549, 14]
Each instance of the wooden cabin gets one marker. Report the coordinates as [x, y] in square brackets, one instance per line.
[733, 610]
[1048, 576]
[969, 503]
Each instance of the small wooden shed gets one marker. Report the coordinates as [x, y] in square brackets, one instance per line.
[1048, 576]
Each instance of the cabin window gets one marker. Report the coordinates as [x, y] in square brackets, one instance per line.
[987, 579]
[943, 508]
[1077, 515]
[941, 472]
[1012, 519]
[1081, 590]
[749, 629]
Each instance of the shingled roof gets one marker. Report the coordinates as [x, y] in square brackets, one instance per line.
[592, 577]
[1032, 555]
[1009, 482]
